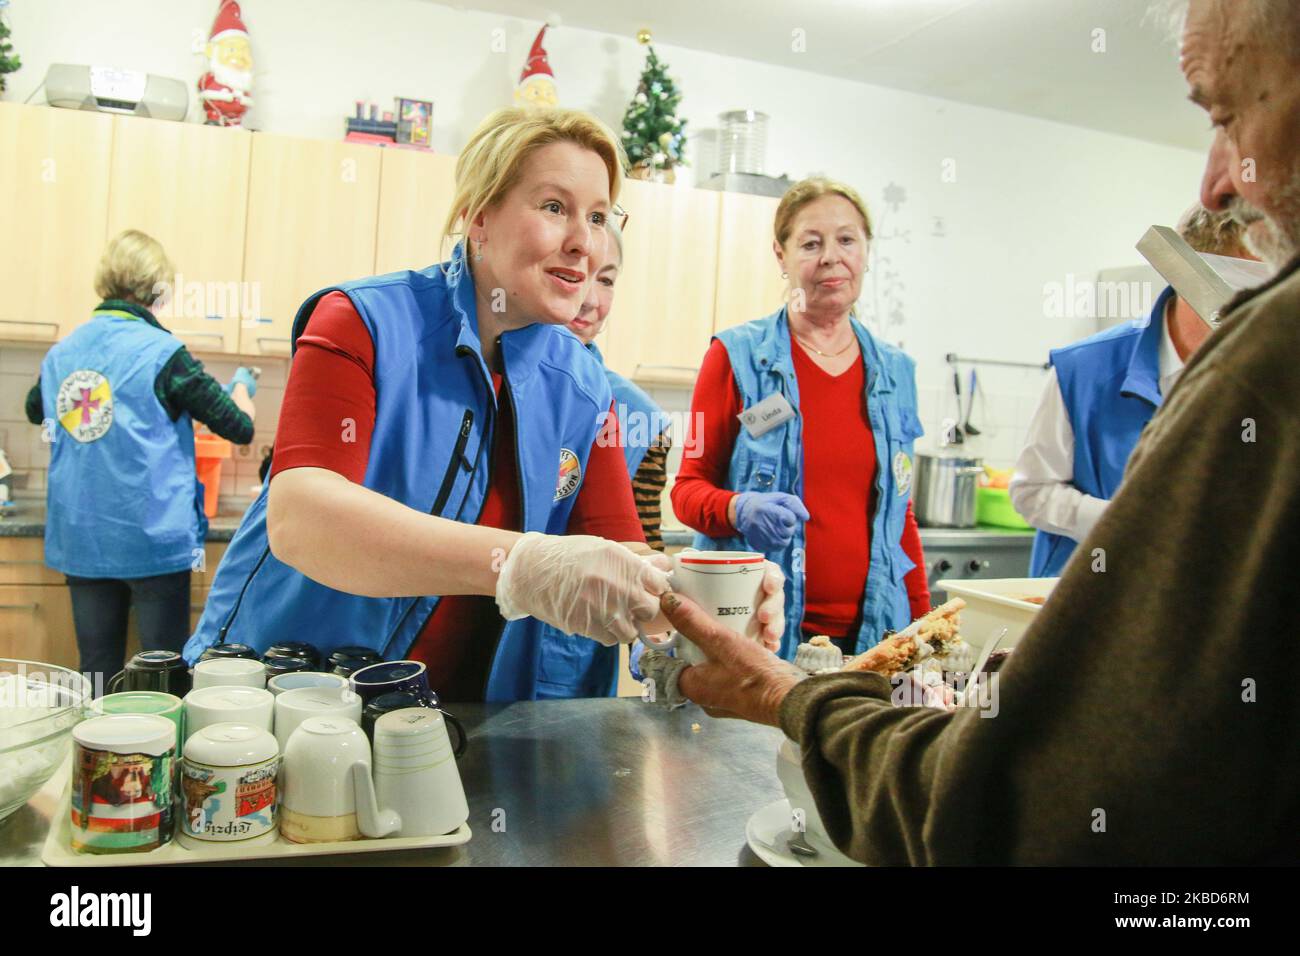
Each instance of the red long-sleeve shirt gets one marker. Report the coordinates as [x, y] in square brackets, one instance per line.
[839, 475]
[332, 380]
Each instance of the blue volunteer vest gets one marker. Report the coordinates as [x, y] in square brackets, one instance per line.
[573, 666]
[762, 365]
[123, 499]
[435, 414]
[1110, 384]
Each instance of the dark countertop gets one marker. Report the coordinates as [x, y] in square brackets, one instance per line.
[596, 782]
[28, 521]
[930, 537]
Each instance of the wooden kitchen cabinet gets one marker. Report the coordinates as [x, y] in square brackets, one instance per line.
[213, 552]
[198, 599]
[312, 212]
[36, 624]
[415, 194]
[662, 317]
[749, 279]
[187, 186]
[22, 561]
[54, 176]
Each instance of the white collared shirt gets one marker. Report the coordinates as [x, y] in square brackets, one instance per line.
[1042, 487]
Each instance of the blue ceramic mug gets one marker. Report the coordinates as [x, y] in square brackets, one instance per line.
[389, 676]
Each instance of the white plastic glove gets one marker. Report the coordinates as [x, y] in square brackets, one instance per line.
[771, 610]
[581, 584]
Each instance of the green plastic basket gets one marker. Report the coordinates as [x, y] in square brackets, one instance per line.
[993, 507]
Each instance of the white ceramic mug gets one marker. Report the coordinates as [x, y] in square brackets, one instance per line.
[804, 817]
[229, 672]
[228, 789]
[728, 585]
[294, 706]
[327, 792]
[298, 679]
[220, 705]
[415, 772]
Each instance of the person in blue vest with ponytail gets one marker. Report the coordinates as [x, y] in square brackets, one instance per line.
[806, 423]
[1099, 396]
[447, 475]
[571, 666]
[124, 514]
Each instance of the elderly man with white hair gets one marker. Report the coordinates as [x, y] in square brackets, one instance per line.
[1148, 715]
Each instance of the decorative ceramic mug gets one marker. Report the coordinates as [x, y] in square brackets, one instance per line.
[228, 787]
[122, 783]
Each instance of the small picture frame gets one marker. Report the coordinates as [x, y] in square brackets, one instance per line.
[414, 121]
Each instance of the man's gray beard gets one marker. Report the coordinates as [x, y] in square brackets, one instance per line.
[1280, 242]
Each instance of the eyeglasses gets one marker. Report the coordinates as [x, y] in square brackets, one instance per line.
[620, 216]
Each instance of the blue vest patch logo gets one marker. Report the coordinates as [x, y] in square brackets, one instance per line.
[902, 473]
[84, 405]
[570, 474]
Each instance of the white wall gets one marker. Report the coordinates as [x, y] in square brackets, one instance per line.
[1032, 203]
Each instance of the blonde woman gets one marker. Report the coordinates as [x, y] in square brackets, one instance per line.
[124, 514]
[440, 465]
[823, 486]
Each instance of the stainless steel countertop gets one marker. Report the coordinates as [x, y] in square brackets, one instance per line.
[599, 782]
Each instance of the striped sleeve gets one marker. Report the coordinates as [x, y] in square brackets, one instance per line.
[648, 487]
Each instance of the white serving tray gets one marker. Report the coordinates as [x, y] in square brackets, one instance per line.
[996, 603]
[58, 846]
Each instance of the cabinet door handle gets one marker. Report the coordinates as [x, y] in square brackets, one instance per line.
[48, 325]
[195, 334]
[19, 607]
[263, 339]
[667, 368]
[6, 561]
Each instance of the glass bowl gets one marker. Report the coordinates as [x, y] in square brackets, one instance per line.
[39, 706]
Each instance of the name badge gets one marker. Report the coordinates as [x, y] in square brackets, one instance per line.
[761, 418]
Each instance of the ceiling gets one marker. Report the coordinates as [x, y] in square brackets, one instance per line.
[1033, 57]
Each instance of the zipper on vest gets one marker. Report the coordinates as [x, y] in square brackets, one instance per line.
[461, 351]
[457, 462]
[523, 508]
[225, 628]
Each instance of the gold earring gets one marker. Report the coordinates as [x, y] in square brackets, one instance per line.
[785, 275]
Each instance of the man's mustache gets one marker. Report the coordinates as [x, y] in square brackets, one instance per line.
[1243, 213]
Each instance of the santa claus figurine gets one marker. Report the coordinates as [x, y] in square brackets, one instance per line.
[537, 83]
[226, 89]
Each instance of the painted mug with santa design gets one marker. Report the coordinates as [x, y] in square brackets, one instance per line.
[122, 783]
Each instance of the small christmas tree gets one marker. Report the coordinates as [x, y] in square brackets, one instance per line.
[652, 133]
[8, 63]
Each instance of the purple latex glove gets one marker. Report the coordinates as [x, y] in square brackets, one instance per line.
[768, 520]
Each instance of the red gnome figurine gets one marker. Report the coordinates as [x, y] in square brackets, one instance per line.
[226, 89]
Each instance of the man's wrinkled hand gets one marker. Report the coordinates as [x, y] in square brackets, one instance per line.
[740, 678]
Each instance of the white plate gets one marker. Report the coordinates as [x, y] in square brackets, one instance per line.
[767, 830]
[58, 846]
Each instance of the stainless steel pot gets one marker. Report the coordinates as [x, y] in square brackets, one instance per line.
[944, 493]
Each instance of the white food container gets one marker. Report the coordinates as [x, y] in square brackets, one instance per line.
[995, 603]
